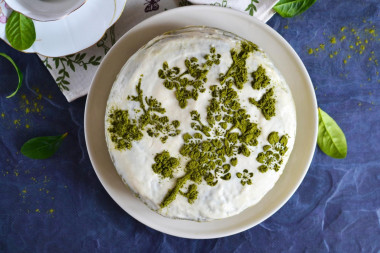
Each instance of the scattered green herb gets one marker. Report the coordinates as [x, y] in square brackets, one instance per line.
[19, 74]
[42, 147]
[20, 31]
[291, 8]
[331, 139]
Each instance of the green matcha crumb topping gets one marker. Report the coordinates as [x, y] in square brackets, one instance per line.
[245, 177]
[186, 137]
[273, 138]
[260, 79]
[237, 72]
[244, 150]
[233, 161]
[172, 194]
[217, 137]
[124, 131]
[223, 125]
[263, 168]
[267, 104]
[226, 177]
[266, 147]
[191, 194]
[234, 132]
[164, 164]
[271, 158]
[190, 82]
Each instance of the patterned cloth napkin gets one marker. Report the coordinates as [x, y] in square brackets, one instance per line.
[261, 9]
[73, 74]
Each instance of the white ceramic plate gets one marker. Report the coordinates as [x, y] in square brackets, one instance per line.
[286, 60]
[79, 30]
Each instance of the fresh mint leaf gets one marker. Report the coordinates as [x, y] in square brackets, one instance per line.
[331, 139]
[42, 147]
[20, 75]
[20, 31]
[291, 8]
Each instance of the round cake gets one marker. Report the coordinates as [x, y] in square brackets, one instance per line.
[200, 124]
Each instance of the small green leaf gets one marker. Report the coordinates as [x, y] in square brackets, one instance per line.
[291, 8]
[331, 139]
[19, 74]
[42, 147]
[20, 31]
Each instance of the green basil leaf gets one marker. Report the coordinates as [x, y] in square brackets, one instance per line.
[42, 147]
[291, 8]
[20, 75]
[20, 31]
[331, 139]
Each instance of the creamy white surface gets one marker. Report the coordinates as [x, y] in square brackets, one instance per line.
[227, 198]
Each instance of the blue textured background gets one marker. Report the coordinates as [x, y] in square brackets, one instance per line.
[58, 205]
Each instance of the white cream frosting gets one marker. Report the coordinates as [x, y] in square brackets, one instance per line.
[134, 165]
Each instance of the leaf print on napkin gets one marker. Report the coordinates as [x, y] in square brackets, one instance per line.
[223, 4]
[151, 5]
[70, 61]
[251, 7]
[184, 3]
[103, 42]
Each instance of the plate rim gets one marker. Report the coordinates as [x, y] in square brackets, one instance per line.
[304, 73]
